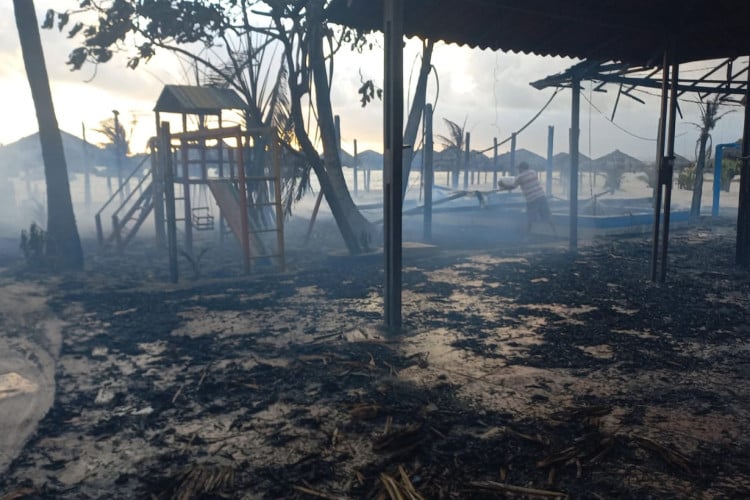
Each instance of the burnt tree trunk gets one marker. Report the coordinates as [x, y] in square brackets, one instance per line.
[64, 244]
[416, 111]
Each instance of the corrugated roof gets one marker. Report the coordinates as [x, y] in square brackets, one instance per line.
[197, 100]
[632, 31]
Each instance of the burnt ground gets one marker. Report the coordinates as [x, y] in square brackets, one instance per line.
[523, 371]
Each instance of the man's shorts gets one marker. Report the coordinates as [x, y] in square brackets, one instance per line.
[538, 209]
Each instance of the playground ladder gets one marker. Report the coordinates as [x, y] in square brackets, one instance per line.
[130, 214]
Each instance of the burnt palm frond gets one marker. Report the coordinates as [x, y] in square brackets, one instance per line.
[115, 135]
[456, 134]
[279, 108]
[710, 116]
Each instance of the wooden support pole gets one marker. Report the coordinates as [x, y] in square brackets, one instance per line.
[244, 216]
[513, 154]
[669, 168]
[118, 232]
[574, 140]
[275, 150]
[743, 211]
[429, 173]
[494, 163]
[354, 167]
[188, 211]
[337, 126]
[86, 169]
[393, 94]
[99, 231]
[167, 170]
[467, 149]
[660, 144]
[220, 151]
[157, 181]
[313, 217]
[550, 157]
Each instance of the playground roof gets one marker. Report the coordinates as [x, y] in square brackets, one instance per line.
[631, 31]
[190, 99]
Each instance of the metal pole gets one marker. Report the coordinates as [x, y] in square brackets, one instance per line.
[659, 166]
[393, 160]
[574, 138]
[669, 168]
[429, 174]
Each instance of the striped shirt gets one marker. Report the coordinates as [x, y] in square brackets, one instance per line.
[530, 186]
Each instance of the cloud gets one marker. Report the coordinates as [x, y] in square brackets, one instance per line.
[489, 89]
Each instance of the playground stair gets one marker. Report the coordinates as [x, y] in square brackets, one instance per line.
[135, 207]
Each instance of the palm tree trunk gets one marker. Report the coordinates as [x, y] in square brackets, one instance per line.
[695, 205]
[64, 244]
[355, 228]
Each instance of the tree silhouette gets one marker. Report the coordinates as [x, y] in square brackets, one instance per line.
[63, 244]
[296, 34]
[709, 117]
[454, 142]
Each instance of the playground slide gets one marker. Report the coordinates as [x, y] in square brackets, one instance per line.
[227, 199]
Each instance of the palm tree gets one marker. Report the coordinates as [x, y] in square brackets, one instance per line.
[454, 142]
[709, 117]
[117, 140]
[63, 241]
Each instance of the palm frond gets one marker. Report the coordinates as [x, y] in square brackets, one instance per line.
[456, 134]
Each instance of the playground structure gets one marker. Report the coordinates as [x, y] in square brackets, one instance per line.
[195, 173]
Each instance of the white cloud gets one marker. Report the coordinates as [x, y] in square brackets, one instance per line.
[489, 89]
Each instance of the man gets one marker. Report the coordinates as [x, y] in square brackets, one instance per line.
[536, 202]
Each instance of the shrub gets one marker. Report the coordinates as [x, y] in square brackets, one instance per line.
[613, 178]
[729, 169]
[34, 246]
[686, 178]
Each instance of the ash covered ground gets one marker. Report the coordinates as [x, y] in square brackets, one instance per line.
[523, 370]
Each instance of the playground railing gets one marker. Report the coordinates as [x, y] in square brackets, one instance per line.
[120, 192]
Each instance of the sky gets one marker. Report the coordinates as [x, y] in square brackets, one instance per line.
[489, 91]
